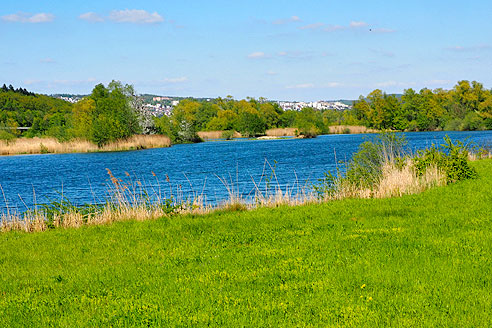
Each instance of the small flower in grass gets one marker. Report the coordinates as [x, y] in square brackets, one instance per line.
[369, 299]
[363, 286]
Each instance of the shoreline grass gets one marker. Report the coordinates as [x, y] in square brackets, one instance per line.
[417, 260]
[380, 169]
[53, 146]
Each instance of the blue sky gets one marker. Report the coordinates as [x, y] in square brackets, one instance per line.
[284, 50]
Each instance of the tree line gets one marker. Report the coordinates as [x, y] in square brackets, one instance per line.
[250, 117]
[467, 106]
[107, 114]
[115, 111]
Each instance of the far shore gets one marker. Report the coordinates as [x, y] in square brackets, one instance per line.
[279, 133]
[26, 146]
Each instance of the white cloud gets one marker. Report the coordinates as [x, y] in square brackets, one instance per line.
[272, 73]
[286, 21]
[135, 16]
[333, 85]
[301, 86]
[91, 17]
[175, 79]
[29, 18]
[311, 26]
[382, 30]
[332, 28]
[257, 55]
[358, 24]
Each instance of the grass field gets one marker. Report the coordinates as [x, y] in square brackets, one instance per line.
[419, 260]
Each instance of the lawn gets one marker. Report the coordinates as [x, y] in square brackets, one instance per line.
[420, 260]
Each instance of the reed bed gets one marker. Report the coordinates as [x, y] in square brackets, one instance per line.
[380, 169]
[350, 129]
[133, 199]
[52, 145]
[211, 135]
[281, 132]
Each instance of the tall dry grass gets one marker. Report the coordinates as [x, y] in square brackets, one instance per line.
[394, 182]
[134, 199]
[211, 135]
[281, 132]
[52, 145]
[352, 129]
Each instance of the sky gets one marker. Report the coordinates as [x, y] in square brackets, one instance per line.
[281, 50]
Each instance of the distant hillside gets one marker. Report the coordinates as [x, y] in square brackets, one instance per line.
[42, 114]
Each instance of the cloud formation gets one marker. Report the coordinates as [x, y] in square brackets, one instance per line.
[91, 17]
[353, 25]
[29, 18]
[257, 55]
[135, 16]
[311, 26]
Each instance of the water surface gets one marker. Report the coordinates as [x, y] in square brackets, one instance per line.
[33, 179]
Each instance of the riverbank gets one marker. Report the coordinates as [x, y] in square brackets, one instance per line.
[418, 260]
[287, 132]
[53, 146]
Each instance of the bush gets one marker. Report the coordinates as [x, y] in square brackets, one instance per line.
[366, 167]
[451, 158]
[6, 136]
[228, 134]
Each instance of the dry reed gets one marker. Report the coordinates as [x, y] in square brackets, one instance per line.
[136, 200]
[281, 132]
[211, 135]
[352, 129]
[52, 145]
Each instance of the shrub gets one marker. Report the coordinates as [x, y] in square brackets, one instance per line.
[451, 157]
[366, 167]
[228, 134]
[6, 136]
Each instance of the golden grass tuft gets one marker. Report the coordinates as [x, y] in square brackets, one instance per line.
[281, 132]
[53, 146]
[352, 129]
[211, 135]
[133, 200]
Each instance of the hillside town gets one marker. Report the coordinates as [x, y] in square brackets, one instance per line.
[160, 105]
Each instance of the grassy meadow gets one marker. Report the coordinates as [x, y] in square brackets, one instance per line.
[416, 260]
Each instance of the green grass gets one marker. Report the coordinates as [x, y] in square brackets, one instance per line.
[424, 260]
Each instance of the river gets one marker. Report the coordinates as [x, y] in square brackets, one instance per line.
[202, 168]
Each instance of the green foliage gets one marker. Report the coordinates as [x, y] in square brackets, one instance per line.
[366, 166]
[42, 114]
[451, 158]
[465, 107]
[228, 134]
[111, 114]
[6, 136]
